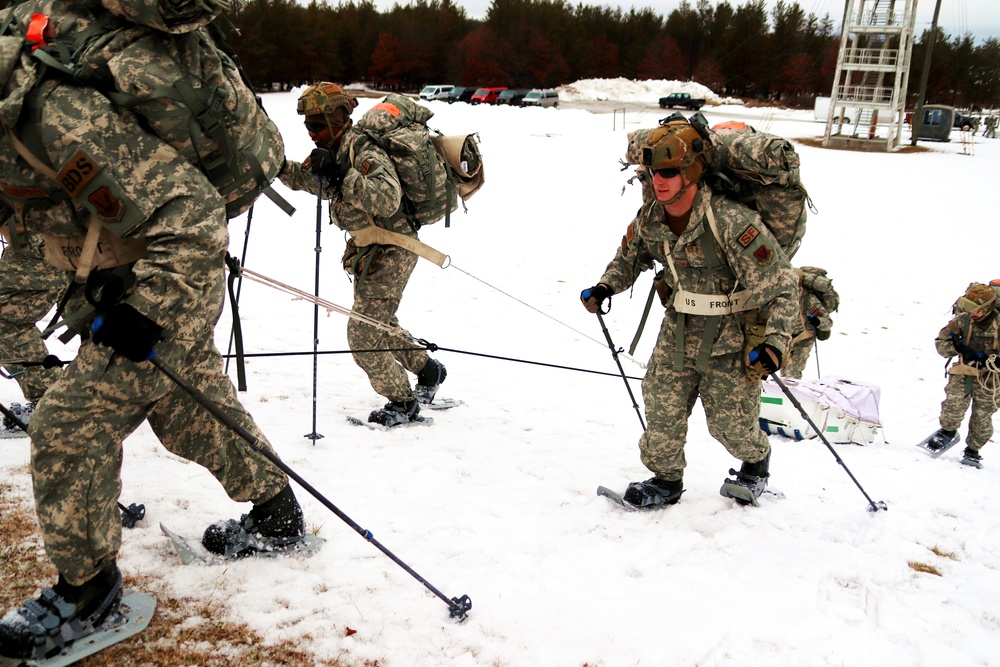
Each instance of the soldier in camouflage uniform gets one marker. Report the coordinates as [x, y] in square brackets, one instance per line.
[817, 300]
[975, 377]
[728, 320]
[156, 237]
[365, 192]
[29, 287]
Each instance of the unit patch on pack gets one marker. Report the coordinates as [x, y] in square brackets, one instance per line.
[764, 255]
[76, 173]
[107, 206]
[366, 166]
[748, 235]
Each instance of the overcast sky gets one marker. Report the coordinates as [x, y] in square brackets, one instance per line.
[979, 17]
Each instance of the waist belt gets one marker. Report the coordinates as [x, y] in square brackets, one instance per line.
[70, 253]
[692, 303]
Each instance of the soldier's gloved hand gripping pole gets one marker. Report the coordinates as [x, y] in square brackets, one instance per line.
[872, 505]
[592, 298]
[458, 607]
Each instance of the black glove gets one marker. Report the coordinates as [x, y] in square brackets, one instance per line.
[128, 332]
[323, 164]
[969, 355]
[764, 359]
[593, 297]
[813, 321]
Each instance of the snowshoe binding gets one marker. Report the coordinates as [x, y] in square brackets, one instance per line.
[749, 484]
[970, 457]
[61, 615]
[654, 493]
[429, 379]
[274, 526]
[939, 442]
[395, 413]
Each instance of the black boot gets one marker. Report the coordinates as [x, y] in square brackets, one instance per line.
[60, 615]
[941, 439]
[653, 492]
[971, 457]
[275, 525]
[395, 413]
[750, 482]
[429, 379]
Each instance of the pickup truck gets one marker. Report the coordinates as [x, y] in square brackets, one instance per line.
[682, 100]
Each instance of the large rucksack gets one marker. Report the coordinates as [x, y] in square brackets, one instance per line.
[434, 170]
[759, 169]
[177, 73]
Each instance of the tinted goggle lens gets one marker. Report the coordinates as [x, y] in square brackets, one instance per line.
[315, 127]
[667, 173]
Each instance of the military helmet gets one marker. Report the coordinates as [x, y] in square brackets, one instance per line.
[677, 144]
[978, 297]
[325, 99]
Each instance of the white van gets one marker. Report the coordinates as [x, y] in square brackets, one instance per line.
[541, 98]
[822, 107]
[435, 92]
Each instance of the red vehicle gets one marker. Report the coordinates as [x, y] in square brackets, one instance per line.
[487, 95]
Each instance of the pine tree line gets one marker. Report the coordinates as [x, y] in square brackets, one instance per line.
[745, 51]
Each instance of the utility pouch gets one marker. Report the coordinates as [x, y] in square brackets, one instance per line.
[662, 288]
[361, 262]
[754, 333]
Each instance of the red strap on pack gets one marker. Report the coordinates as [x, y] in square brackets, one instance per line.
[36, 30]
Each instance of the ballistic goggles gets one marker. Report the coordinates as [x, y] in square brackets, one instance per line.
[970, 306]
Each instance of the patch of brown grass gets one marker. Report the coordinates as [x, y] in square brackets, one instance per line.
[938, 551]
[171, 639]
[924, 567]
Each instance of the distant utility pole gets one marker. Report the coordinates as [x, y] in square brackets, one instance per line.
[918, 115]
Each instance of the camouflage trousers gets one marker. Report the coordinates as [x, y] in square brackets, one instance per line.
[795, 365]
[29, 287]
[958, 393]
[377, 296]
[730, 399]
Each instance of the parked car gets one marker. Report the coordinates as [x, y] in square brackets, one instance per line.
[512, 97]
[682, 100]
[435, 92]
[541, 98]
[461, 94]
[487, 95]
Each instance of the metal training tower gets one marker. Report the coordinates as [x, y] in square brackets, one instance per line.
[867, 105]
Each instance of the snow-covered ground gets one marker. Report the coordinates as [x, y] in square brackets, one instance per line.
[496, 499]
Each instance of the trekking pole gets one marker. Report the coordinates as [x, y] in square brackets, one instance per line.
[314, 436]
[239, 285]
[816, 350]
[457, 607]
[614, 353]
[131, 515]
[872, 505]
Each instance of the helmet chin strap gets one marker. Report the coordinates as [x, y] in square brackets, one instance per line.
[680, 194]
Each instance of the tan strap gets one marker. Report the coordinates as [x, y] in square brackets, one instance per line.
[29, 157]
[373, 234]
[69, 252]
[5, 231]
[805, 335]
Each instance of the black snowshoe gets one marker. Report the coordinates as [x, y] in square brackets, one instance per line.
[749, 484]
[276, 525]
[970, 457]
[429, 379]
[939, 442]
[395, 413]
[653, 493]
[60, 616]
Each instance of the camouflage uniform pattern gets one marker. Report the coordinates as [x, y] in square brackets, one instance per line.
[819, 298]
[29, 287]
[371, 194]
[100, 398]
[754, 261]
[964, 389]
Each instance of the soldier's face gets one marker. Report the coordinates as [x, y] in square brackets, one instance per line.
[319, 130]
[666, 188]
